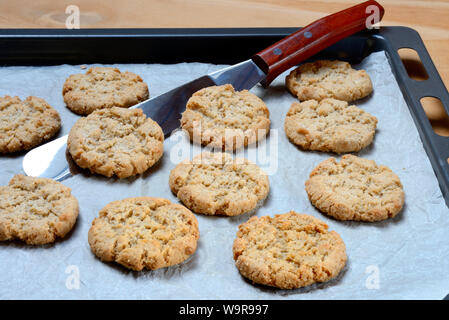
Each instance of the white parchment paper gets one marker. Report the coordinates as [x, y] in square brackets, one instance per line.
[402, 258]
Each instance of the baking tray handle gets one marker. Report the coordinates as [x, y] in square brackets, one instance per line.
[436, 146]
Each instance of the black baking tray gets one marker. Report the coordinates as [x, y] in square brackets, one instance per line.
[229, 46]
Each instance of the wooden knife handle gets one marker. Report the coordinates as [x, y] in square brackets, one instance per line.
[315, 37]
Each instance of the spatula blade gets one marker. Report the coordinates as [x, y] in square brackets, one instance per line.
[49, 160]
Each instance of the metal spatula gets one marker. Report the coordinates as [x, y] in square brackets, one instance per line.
[49, 160]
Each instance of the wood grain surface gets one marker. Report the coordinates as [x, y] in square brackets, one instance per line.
[429, 17]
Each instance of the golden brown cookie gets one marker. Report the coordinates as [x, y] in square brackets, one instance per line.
[144, 232]
[216, 184]
[36, 210]
[355, 189]
[221, 117]
[288, 251]
[328, 79]
[103, 87]
[116, 141]
[329, 125]
[26, 124]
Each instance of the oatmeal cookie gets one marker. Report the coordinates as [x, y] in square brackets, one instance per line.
[26, 124]
[355, 189]
[103, 87]
[221, 117]
[144, 232]
[36, 210]
[116, 141]
[329, 125]
[328, 79]
[216, 184]
[288, 251]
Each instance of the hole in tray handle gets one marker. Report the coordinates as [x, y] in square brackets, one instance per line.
[439, 119]
[412, 63]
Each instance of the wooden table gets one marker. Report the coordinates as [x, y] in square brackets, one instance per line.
[429, 17]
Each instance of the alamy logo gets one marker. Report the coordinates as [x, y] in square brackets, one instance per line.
[372, 21]
[73, 20]
[72, 282]
[372, 282]
[263, 152]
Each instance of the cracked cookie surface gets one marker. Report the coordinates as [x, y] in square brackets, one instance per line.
[329, 125]
[217, 184]
[26, 124]
[144, 232]
[103, 87]
[355, 189]
[36, 210]
[116, 141]
[328, 79]
[221, 117]
[288, 251]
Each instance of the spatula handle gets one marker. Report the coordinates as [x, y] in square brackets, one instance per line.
[315, 37]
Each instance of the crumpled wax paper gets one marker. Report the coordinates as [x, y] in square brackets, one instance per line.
[402, 258]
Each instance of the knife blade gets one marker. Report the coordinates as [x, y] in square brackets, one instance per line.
[50, 160]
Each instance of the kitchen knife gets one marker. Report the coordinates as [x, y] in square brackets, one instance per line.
[50, 159]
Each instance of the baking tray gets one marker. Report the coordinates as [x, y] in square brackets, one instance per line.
[228, 46]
